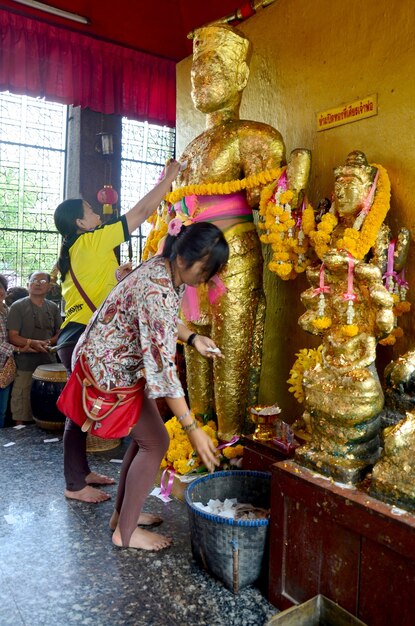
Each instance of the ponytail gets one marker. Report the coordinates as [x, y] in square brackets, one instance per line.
[65, 217]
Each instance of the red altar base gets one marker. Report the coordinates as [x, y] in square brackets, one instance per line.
[261, 455]
[326, 538]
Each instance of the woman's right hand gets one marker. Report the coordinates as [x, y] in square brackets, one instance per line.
[172, 169]
[205, 448]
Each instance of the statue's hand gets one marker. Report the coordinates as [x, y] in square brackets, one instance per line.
[207, 347]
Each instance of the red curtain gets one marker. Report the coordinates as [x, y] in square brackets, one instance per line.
[37, 59]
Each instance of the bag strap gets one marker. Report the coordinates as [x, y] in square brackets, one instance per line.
[93, 413]
[81, 291]
[87, 376]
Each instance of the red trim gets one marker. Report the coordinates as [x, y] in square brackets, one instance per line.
[41, 60]
[246, 10]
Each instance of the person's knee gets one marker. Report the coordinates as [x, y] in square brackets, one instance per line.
[164, 442]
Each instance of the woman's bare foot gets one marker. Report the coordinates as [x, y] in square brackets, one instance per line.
[88, 494]
[98, 479]
[143, 540]
[145, 519]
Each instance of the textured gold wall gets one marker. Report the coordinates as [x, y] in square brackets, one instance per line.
[310, 57]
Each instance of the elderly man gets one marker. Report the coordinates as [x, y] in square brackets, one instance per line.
[33, 324]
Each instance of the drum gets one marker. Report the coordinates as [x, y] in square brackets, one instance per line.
[47, 383]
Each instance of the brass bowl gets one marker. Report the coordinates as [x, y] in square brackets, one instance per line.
[265, 421]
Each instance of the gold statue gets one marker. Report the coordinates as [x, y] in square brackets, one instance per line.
[349, 306]
[399, 388]
[227, 166]
[393, 476]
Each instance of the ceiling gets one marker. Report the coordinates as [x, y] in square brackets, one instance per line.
[159, 27]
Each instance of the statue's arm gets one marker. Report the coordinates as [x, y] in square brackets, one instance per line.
[261, 148]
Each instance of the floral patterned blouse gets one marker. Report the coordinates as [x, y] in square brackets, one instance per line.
[136, 328]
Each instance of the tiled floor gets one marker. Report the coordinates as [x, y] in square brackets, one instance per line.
[58, 566]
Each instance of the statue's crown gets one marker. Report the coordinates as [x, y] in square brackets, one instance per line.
[356, 164]
[210, 38]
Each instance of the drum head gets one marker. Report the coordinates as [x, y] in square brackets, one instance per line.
[51, 372]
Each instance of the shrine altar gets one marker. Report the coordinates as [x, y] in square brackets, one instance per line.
[333, 539]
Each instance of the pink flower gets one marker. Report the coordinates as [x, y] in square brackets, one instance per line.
[175, 227]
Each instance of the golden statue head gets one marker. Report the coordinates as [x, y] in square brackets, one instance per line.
[352, 183]
[220, 67]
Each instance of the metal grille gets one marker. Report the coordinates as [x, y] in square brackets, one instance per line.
[32, 174]
[144, 152]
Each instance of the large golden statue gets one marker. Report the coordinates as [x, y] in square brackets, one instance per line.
[351, 309]
[227, 166]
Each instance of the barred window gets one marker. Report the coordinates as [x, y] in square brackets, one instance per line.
[32, 176]
[144, 152]
[33, 138]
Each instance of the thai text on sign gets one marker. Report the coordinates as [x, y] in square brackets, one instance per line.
[346, 113]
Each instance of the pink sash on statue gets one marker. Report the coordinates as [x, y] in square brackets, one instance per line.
[209, 209]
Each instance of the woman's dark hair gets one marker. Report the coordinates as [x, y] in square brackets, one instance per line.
[198, 241]
[66, 214]
[3, 282]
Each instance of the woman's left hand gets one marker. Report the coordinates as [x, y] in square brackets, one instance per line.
[123, 270]
[204, 446]
[207, 347]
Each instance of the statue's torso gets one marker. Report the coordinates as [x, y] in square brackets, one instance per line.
[232, 151]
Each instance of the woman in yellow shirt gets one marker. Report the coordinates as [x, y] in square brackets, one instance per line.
[88, 268]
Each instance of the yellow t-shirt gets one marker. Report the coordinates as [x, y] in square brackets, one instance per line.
[94, 264]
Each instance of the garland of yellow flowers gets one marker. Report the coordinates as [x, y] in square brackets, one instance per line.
[156, 234]
[180, 454]
[205, 189]
[306, 360]
[357, 241]
[289, 244]
[232, 186]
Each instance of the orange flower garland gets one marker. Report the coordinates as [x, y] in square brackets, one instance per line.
[231, 186]
[156, 234]
[356, 240]
[287, 236]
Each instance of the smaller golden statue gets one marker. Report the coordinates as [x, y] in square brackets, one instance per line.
[393, 476]
[399, 388]
[350, 308]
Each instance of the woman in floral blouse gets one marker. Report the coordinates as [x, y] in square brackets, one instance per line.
[136, 329]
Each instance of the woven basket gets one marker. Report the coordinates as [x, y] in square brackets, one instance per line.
[97, 444]
[46, 425]
[232, 550]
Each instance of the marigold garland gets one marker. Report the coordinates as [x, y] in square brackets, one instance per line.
[156, 234]
[321, 323]
[231, 186]
[402, 307]
[181, 456]
[286, 236]
[349, 330]
[390, 340]
[306, 360]
[357, 241]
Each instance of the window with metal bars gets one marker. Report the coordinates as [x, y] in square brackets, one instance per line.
[33, 136]
[32, 177]
[144, 151]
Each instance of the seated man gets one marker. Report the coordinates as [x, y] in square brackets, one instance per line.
[33, 324]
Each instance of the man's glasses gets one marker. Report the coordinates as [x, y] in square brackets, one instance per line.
[35, 281]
